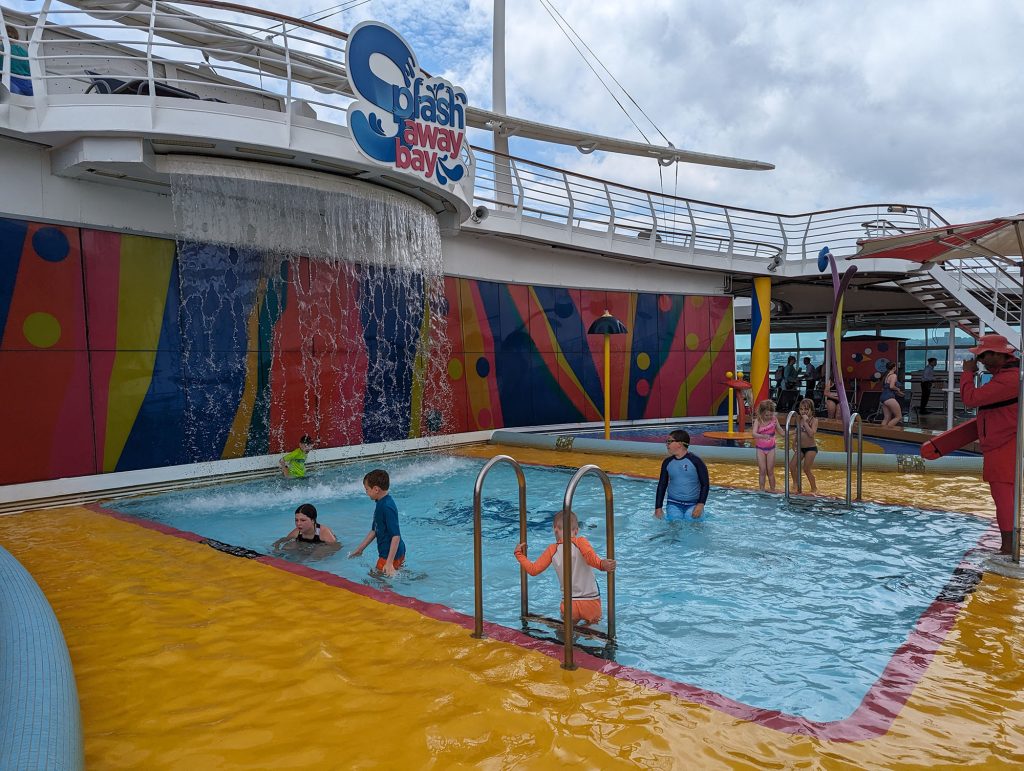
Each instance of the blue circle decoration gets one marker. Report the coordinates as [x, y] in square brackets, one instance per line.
[564, 307]
[883, 346]
[483, 367]
[881, 365]
[857, 356]
[50, 244]
[823, 259]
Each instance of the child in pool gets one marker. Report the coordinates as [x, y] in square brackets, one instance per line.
[307, 530]
[384, 530]
[586, 599]
[293, 465]
[806, 428]
[765, 428]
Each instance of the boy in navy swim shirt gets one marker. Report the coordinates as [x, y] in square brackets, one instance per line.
[684, 481]
[390, 546]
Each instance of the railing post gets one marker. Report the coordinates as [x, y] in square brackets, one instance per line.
[609, 519]
[478, 562]
[654, 224]
[150, 70]
[38, 64]
[288, 81]
[571, 214]
[854, 418]
[519, 186]
[785, 456]
[611, 210]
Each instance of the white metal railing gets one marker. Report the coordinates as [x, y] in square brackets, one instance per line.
[994, 283]
[220, 51]
[523, 188]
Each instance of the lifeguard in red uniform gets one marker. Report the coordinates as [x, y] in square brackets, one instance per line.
[998, 410]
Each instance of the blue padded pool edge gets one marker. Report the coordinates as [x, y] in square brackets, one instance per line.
[40, 723]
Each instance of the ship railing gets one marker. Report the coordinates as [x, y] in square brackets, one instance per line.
[243, 56]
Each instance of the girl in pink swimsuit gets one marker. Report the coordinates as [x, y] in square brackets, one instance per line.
[765, 427]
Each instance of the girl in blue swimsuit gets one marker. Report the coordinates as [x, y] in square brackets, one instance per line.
[892, 413]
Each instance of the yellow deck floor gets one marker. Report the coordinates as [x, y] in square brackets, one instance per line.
[187, 658]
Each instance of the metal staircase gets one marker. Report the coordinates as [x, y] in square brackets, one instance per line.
[969, 291]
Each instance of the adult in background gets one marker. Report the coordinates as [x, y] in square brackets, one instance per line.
[927, 378]
[21, 72]
[811, 374]
[790, 374]
[998, 410]
[892, 412]
[683, 485]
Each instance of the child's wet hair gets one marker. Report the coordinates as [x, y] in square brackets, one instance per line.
[574, 522]
[378, 478]
[308, 510]
[766, 406]
[681, 436]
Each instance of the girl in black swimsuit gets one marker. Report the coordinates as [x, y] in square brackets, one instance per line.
[307, 529]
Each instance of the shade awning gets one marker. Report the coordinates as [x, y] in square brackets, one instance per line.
[999, 237]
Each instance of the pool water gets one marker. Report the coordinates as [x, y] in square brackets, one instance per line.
[797, 608]
[827, 441]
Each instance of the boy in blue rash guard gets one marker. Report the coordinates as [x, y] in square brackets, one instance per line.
[684, 478]
[390, 546]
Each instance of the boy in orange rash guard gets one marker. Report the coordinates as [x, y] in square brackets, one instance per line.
[586, 599]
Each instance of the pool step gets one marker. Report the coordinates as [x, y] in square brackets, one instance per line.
[555, 623]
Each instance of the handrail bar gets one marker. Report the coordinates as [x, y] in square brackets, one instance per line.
[478, 566]
[609, 518]
[668, 196]
[785, 456]
[854, 418]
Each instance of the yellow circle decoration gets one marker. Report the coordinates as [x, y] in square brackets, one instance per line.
[41, 329]
[454, 369]
[643, 360]
[692, 341]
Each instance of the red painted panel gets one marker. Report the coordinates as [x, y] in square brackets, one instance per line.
[697, 321]
[101, 260]
[721, 323]
[701, 389]
[340, 397]
[293, 406]
[45, 414]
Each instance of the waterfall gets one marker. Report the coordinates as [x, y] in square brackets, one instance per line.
[354, 272]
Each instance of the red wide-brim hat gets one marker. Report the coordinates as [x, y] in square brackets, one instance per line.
[994, 343]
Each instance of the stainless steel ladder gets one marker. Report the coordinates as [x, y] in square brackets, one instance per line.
[566, 624]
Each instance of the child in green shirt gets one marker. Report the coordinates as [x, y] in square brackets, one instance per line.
[293, 465]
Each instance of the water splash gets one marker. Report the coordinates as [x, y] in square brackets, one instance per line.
[355, 272]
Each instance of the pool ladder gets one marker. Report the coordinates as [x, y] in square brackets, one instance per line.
[570, 490]
[854, 418]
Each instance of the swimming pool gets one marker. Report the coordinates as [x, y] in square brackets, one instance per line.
[792, 608]
[827, 441]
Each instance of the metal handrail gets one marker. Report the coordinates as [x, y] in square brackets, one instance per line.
[854, 418]
[785, 454]
[478, 560]
[609, 518]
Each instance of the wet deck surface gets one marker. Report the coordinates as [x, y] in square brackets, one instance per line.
[187, 657]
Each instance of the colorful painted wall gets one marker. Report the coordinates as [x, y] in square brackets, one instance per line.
[122, 352]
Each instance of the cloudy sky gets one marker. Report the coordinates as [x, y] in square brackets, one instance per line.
[854, 102]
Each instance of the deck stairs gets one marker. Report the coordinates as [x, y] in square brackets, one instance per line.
[985, 290]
